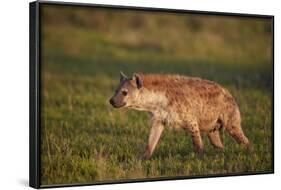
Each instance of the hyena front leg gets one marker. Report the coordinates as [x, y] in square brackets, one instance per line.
[193, 128]
[155, 133]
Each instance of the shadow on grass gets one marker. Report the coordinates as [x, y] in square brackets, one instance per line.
[252, 75]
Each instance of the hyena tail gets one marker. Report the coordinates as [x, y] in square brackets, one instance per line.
[233, 126]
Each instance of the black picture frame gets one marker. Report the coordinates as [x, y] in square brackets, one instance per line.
[35, 89]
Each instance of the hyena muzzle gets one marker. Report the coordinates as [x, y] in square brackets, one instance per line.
[193, 104]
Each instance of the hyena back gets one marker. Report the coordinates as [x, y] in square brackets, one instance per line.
[193, 104]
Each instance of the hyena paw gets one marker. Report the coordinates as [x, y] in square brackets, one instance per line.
[146, 156]
[200, 153]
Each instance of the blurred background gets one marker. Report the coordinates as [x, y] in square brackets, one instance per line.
[127, 34]
[84, 48]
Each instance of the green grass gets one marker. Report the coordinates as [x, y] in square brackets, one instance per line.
[84, 139]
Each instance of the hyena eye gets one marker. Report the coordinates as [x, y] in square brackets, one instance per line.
[124, 93]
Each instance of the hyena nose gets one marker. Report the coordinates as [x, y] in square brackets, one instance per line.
[111, 101]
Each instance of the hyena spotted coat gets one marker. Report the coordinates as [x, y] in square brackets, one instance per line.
[193, 104]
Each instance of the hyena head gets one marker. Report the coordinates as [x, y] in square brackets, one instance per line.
[127, 91]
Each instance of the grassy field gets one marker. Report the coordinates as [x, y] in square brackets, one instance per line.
[84, 139]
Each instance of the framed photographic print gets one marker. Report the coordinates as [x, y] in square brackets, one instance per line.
[130, 94]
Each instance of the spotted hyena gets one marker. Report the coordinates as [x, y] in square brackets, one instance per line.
[193, 104]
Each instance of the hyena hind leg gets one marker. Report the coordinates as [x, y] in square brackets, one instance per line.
[193, 129]
[214, 137]
[234, 128]
[236, 132]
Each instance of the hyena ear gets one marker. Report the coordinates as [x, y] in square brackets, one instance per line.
[122, 76]
[137, 80]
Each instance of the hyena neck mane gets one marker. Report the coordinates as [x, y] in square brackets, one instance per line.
[155, 91]
[149, 100]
